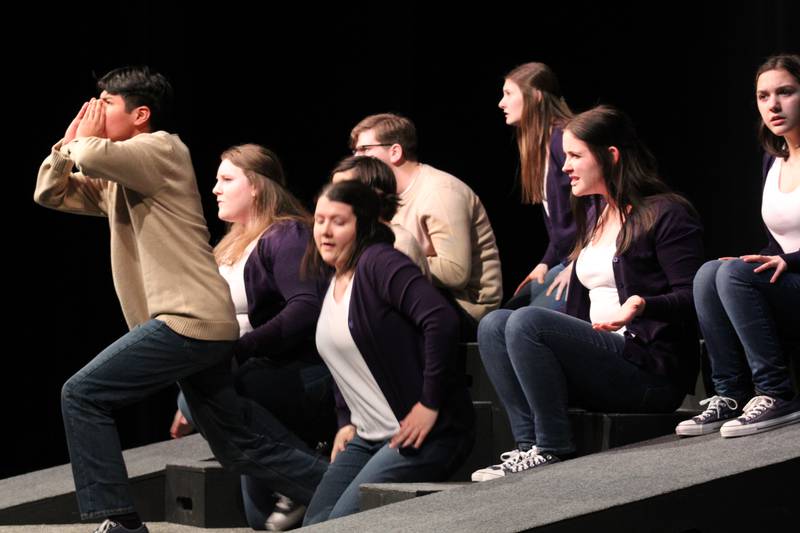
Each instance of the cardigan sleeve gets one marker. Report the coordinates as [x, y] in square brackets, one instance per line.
[400, 283]
[678, 245]
[560, 222]
[275, 264]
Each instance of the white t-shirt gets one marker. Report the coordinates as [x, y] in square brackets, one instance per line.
[781, 210]
[369, 411]
[234, 275]
[595, 271]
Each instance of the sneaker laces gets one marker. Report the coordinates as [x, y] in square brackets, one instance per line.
[105, 526]
[512, 457]
[715, 403]
[529, 459]
[756, 407]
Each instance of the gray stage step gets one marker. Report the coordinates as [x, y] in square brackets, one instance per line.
[670, 485]
[48, 496]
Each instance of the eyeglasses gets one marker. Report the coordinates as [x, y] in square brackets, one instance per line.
[364, 147]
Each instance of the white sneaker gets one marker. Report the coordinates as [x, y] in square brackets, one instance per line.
[286, 515]
[509, 460]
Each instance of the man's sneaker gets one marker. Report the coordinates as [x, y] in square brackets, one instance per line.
[286, 515]
[508, 459]
[109, 526]
[720, 410]
[761, 414]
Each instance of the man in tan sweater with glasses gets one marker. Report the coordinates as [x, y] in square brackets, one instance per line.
[443, 213]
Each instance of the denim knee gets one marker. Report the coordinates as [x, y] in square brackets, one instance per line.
[72, 390]
[705, 279]
[528, 321]
[493, 325]
[737, 268]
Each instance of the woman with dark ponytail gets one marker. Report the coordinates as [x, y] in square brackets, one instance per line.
[389, 338]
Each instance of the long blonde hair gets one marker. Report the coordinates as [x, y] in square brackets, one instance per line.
[542, 108]
[272, 202]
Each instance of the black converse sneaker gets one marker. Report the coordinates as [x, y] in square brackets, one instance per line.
[109, 526]
[534, 459]
[720, 409]
[509, 459]
[761, 414]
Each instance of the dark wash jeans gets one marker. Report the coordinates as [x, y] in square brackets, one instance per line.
[540, 361]
[535, 294]
[243, 436]
[745, 319]
[365, 461]
[299, 394]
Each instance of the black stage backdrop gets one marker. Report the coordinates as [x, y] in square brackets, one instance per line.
[296, 78]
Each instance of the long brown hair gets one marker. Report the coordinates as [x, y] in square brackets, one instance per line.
[272, 202]
[632, 181]
[775, 144]
[542, 108]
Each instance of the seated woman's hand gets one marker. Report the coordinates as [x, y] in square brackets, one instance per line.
[414, 427]
[633, 307]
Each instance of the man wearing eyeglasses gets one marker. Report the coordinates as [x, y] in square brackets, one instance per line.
[443, 213]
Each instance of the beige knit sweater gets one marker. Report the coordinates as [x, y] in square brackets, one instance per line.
[451, 225]
[161, 260]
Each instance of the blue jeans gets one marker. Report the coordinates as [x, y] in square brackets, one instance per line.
[743, 318]
[535, 293]
[540, 361]
[299, 395]
[242, 435]
[364, 461]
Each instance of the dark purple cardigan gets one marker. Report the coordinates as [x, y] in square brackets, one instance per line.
[660, 267]
[560, 223]
[773, 248]
[407, 333]
[283, 309]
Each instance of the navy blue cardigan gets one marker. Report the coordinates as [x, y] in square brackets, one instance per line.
[282, 308]
[560, 224]
[773, 248]
[660, 267]
[407, 333]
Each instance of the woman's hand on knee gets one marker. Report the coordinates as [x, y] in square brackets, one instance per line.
[537, 274]
[767, 262]
[561, 282]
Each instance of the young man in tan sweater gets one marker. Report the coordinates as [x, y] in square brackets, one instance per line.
[175, 302]
[443, 213]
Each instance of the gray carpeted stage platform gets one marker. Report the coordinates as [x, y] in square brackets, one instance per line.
[49, 494]
[700, 484]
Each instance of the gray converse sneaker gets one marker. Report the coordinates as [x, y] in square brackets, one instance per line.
[508, 459]
[286, 515]
[720, 409]
[761, 414]
[109, 526]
